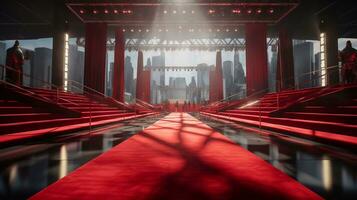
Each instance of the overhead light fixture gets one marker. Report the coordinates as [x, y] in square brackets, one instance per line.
[323, 61]
[66, 57]
[236, 11]
[81, 11]
[106, 11]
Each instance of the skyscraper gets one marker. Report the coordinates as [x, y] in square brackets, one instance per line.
[27, 68]
[2, 56]
[42, 66]
[228, 78]
[272, 71]
[129, 76]
[192, 91]
[303, 63]
[239, 75]
[203, 82]
[76, 64]
[158, 93]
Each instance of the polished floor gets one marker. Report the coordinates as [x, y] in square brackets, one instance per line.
[27, 169]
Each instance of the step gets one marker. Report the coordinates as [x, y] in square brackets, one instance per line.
[34, 134]
[83, 109]
[331, 117]
[41, 124]
[324, 109]
[346, 129]
[12, 118]
[16, 109]
[252, 112]
[305, 132]
[105, 112]
[44, 91]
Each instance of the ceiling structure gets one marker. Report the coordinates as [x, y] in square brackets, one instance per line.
[20, 19]
[142, 13]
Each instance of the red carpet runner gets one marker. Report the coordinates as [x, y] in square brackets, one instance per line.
[180, 158]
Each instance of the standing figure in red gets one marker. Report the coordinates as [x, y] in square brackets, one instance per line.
[349, 62]
[14, 62]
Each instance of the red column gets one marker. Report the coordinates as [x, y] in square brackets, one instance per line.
[257, 58]
[139, 77]
[95, 56]
[219, 76]
[285, 66]
[118, 71]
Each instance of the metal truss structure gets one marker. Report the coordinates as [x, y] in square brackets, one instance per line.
[208, 44]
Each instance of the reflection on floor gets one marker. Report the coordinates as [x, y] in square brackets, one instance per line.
[25, 170]
[329, 171]
[178, 157]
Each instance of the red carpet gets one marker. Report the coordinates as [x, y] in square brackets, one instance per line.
[178, 157]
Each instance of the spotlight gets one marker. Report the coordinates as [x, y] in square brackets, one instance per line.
[124, 30]
[227, 30]
[165, 11]
[81, 11]
[236, 11]
[106, 11]
[180, 27]
[132, 30]
[139, 30]
[218, 30]
[167, 30]
[211, 11]
[235, 30]
[116, 11]
[271, 11]
[95, 11]
[184, 12]
[259, 11]
[249, 11]
[130, 11]
[192, 12]
[174, 11]
[160, 30]
[147, 30]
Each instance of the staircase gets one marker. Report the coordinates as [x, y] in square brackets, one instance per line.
[24, 117]
[327, 114]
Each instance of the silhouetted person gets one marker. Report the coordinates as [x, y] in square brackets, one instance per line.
[177, 106]
[14, 60]
[349, 61]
